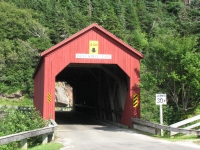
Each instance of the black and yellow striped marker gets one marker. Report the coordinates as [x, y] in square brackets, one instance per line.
[49, 97]
[135, 100]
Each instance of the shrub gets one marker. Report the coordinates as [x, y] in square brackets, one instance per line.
[16, 121]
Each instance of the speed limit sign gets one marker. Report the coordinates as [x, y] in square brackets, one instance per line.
[161, 99]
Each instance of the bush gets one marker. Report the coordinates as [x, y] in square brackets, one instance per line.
[16, 121]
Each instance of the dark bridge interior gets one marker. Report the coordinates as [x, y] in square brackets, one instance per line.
[99, 90]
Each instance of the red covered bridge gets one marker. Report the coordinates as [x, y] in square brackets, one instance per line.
[103, 71]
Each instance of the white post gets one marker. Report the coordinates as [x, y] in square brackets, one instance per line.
[161, 118]
[161, 99]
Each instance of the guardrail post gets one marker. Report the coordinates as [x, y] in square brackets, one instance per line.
[24, 144]
[158, 131]
[44, 138]
[198, 134]
[53, 136]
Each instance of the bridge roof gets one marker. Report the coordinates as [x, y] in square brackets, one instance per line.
[83, 31]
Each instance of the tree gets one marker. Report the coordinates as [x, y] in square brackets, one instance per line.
[75, 19]
[120, 10]
[21, 40]
[132, 21]
[175, 70]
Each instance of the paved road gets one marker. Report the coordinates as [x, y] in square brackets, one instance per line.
[79, 133]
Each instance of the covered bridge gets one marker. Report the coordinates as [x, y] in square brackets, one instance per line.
[103, 71]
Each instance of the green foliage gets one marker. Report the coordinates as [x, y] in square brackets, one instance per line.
[21, 40]
[14, 22]
[75, 19]
[132, 21]
[49, 146]
[171, 115]
[150, 111]
[165, 31]
[16, 121]
[175, 70]
[174, 7]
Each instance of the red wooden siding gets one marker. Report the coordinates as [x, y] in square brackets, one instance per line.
[39, 89]
[58, 57]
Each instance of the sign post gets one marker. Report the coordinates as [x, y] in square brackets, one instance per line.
[161, 99]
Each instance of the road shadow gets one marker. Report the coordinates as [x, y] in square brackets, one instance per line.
[73, 117]
[76, 118]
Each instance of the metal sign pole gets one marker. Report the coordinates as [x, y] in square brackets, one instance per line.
[161, 99]
[161, 118]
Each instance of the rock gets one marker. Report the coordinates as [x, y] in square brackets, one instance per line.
[3, 94]
[15, 95]
[64, 94]
[10, 96]
[61, 96]
[18, 94]
[69, 93]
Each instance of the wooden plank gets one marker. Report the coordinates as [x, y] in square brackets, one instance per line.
[193, 126]
[186, 121]
[112, 92]
[164, 127]
[24, 135]
[145, 129]
[189, 127]
[110, 73]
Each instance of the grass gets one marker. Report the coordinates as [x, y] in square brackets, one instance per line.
[176, 138]
[182, 137]
[49, 146]
[17, 102]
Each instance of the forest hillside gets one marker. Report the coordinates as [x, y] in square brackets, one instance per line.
[167, 32]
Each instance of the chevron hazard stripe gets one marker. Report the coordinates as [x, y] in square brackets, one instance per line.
[135, 100]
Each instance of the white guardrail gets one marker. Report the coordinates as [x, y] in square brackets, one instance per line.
[154, 128]
[185, 122]
[22, 136]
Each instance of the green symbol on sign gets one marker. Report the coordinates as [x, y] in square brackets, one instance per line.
[93, 50]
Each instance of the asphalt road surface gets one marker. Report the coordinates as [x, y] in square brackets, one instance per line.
[76, 132]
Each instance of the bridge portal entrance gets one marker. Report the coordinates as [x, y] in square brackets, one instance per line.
[99, 90]
[103, 71]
